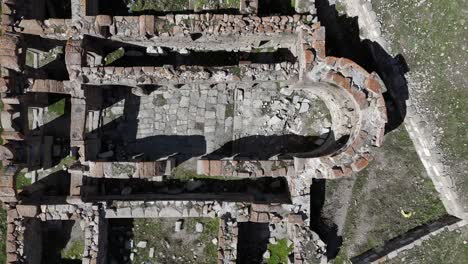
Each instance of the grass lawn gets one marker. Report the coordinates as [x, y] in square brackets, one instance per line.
[431, 35]
[395, 181]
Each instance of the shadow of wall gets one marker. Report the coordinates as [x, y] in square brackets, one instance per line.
[342, 40]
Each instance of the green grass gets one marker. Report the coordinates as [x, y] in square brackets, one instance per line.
[210, 229]
[22, 181]
[75, 251]
[236, 71]
[159, 5]
[395, 181]
[67, 161]
[183, 174]
[279, 252]
[58, 107]
[430, 35]
[114, 56]
[446, 247]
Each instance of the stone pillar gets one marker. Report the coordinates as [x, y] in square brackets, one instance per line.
[8, 184]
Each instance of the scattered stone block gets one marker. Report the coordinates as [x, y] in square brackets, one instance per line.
[142, 244]
[199, 227]
[178, 225]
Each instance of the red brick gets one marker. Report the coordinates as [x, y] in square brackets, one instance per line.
[27, 210]
[342, 81]
[12, 214]
[12, 257]
[372, 84]
[263, 218]
[295, 219]
[6, 181]
[216, 168]
[103, 20]
[359, 164]
[337, 172]
[360, 98]
[10, 247]
[309, 56]
[331, 60]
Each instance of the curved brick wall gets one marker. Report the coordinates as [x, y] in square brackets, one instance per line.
[363, 99]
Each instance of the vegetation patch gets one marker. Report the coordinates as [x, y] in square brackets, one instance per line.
[58, 107]
[395, 181]
[180, 173]
[22, 181]
[437, 59]
[158, 5]
[279, 252]
[75, 251]
[236, 71]
[114, 56]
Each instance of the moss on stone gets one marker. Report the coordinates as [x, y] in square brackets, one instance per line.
[114, 56]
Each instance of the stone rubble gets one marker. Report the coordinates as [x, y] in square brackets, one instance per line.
[240, 103]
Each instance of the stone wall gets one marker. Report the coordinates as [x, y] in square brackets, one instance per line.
[409, 240]
[133, 76]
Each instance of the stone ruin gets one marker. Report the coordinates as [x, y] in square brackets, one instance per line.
[238, 95]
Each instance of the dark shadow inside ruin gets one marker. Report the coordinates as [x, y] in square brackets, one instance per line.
[252, 243]
[327, 231]
[46, 9]
[265, 147]
[33, 237]
[119, 235]
[120, 8]
[342, 38]
[55, 187]
[44, 58]
[55, 236]
[137, 55]
[275, 7]
[281, 146]
[261, 190]
[46, 126]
